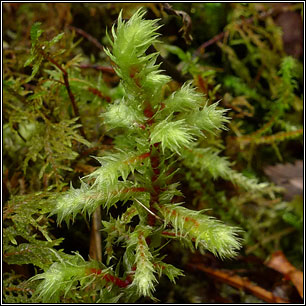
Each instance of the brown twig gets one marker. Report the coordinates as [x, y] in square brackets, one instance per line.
[106, 69]
[210, 42]
[88, 37]
[18, 289]
[67, 85]
[95, 249]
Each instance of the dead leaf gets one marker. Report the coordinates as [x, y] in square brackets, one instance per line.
[291, 24]
[280, 263]
[289, 176]
[186, 28]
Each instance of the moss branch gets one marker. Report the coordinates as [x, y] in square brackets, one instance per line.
[67, 85]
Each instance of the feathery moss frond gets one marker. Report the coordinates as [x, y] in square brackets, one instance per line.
[69, 274]
[208, 159]
[115, 165]
[183, 100]
[172, 135]
[144, 124]
[169, 270]
[144, 277]
[122, 115]
[209, 118]
[86, 199]
[205, 231]
[59, 278]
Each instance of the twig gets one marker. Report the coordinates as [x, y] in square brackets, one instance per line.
[106, 69]
[210, 42]
[95, 249]
[88, 37]
[18, 289]
[239, 282]
[280, 263]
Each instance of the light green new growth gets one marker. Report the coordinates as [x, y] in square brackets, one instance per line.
[205, 231]
[144, 277]
[68, 273]
[122, 115]
[152, 137]
[141, 77]
[172, 135]
[184, 99]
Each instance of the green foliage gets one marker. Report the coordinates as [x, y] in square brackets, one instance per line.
[16, 290]
[124, 116]
[39, 49]
[273, 89]
[183, 100]
[262, 89]
[137, 70]
[24, 218]
[39, 122]
[285, 91]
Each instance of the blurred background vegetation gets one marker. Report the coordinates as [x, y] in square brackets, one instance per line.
[248, 56]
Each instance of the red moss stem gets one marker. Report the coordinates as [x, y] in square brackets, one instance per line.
[122, 283]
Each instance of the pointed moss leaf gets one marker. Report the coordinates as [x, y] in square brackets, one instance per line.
[35, 69]
[177, 51]
[115, 165]
[56, 39]
[29, 60]
[169, 270]
[36, 32]
[138, 71]
[59, 277]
